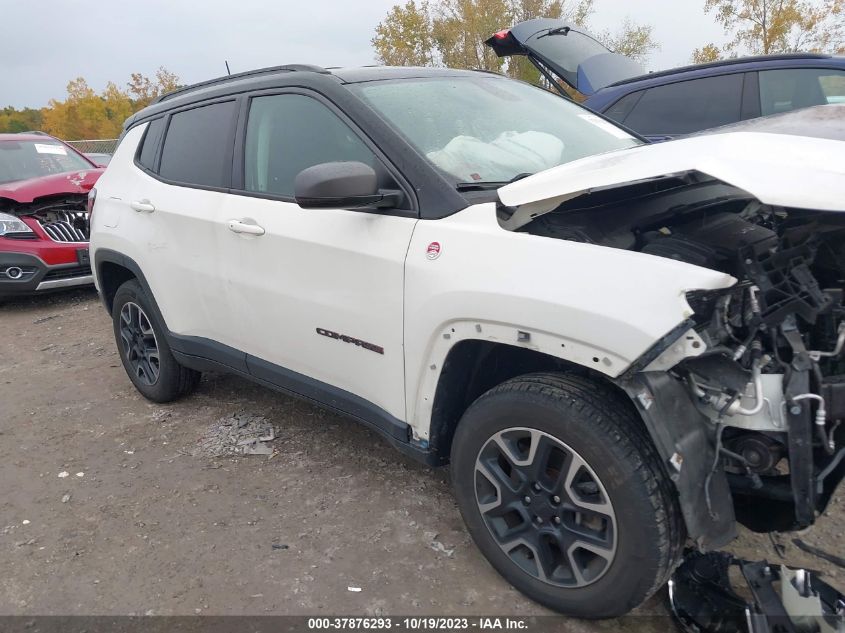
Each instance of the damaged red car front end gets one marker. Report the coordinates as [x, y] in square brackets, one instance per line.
[44, 187]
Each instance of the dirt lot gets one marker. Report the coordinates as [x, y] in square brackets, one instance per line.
[143, 524]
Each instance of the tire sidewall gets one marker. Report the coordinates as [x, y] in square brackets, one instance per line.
[166, 387]
[632, 573]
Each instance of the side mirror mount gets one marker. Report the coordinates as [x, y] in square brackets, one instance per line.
[342, 185]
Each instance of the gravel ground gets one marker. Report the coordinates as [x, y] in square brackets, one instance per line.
[110, 504]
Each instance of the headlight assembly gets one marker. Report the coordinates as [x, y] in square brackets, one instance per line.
[11, 224]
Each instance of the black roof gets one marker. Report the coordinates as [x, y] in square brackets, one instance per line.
[272, 70]
[291, 74]
[377, 73]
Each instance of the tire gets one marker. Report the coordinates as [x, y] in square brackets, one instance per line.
[143, 348]
[575, 469]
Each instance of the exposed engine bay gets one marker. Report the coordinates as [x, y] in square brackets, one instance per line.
[63, 217]
[769, 373]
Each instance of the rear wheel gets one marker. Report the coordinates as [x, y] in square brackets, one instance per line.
[563, 492]
[143, 349]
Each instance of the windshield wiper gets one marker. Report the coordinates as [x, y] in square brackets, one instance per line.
[560, 30]
[481, 185]
[487, 185]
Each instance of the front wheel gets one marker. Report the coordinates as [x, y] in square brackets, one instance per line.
[563, 492]
[143, 348]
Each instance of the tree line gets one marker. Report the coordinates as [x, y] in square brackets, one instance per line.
[452, 33]
[85, 114]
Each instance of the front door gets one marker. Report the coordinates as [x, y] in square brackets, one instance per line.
[319, 292]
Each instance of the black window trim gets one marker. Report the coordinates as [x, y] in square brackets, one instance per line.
[230, 141]
[239, 163]
[751, 106]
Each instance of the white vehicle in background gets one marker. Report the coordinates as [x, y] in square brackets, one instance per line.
[625, 352]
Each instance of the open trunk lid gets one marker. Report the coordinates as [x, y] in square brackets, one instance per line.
[573, 55]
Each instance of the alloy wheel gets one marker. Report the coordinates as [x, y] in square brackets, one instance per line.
[139, 344]
[545, 507]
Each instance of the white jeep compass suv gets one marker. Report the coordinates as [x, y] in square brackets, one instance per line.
[621, 349]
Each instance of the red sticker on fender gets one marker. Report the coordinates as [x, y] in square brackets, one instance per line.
[433, 250]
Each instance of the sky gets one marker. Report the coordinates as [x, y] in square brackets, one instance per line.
[59, 40]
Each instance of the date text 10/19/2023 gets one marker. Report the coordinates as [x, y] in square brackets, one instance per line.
[418, 624]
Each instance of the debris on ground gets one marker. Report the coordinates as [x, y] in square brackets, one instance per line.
[238, 434]
[44, 319]
[280, 546]
[65, 498]
[63, 474]
[355, 589]
[437, 546]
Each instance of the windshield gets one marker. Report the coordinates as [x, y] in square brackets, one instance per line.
[490, 129]
[21, 160]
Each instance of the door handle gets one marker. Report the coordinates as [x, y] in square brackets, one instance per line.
[142, 206]
[248, 228]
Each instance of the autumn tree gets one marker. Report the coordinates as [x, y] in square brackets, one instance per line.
[762, 27]
[87, 114]
[452, 33]
[404, 36]
[631, 39]
[707, 53]
[143, 90]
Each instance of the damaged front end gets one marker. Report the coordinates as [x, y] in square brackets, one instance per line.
[757, 373]
[62, 218]
[745, 398]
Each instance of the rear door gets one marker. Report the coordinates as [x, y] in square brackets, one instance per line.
[787, 89]
[176, 204]
[319, 292]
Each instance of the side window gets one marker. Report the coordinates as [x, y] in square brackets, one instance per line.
[291, 132]
[620, 110]
[149, 144]
[688, 106]
[196, 146]
[794, 88]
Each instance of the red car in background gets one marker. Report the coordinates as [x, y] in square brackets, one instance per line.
[44, 185]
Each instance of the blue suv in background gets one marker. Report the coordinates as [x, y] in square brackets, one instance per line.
[670, 103]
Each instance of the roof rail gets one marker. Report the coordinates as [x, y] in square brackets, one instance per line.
[722, 62]
[236, 76]
[38, 132]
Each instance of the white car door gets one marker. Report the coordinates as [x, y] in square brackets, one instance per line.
[319, 292]
[176, 200]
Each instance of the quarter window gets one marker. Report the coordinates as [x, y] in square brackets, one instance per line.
[688, 106]
[197, 146]
[794, 88]
[291, 132]
[150, 143]
[620, 110]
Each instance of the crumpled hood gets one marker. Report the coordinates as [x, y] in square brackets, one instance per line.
[73, 182]
[777, 169]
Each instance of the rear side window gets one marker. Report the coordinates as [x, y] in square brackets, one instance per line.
[291, 132]
[152, 137]
[794, 88]
[197, 146]
[688, 106]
